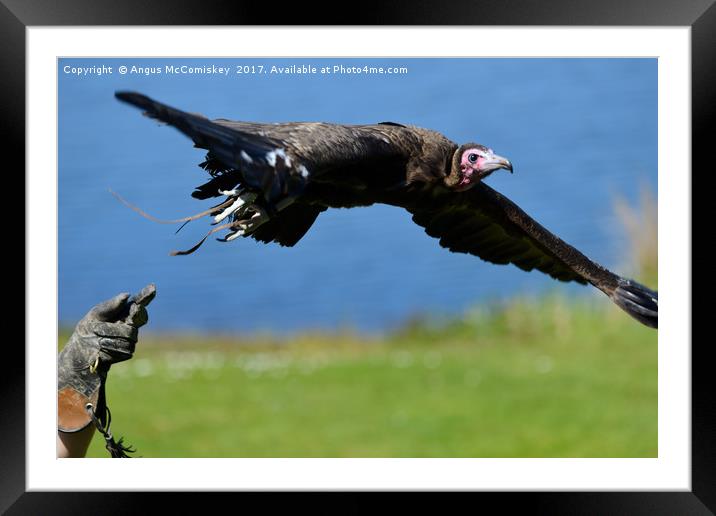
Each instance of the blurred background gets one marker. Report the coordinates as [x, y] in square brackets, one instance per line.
[366, 339]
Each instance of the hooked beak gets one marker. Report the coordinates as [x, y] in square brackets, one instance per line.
[492, 163]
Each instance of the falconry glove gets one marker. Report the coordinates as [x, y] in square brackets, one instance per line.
[106, 335]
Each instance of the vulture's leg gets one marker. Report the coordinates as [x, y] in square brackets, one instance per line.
[248, 216]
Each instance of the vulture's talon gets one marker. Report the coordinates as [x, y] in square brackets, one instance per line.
[243, 199]
[234, 235]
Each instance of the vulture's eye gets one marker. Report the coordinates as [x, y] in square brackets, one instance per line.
[472, 158]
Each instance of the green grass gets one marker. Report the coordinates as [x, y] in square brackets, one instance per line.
[535, 378]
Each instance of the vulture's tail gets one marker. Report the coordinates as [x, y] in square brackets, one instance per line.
[638, 301]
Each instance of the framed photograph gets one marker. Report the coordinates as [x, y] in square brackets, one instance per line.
[353, 352]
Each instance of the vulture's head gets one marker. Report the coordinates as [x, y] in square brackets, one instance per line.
[471, 163]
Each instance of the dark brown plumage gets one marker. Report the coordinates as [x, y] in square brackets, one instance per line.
[277, 179]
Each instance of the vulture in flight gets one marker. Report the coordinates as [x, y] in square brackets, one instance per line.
[276, 179]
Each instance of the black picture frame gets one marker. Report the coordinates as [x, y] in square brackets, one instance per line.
[700, 15]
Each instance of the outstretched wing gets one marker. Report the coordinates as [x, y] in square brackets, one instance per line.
[278, 161]
[279, 158]
[258, 162]
[484, 223]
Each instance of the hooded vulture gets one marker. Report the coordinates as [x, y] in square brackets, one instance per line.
[275, 179]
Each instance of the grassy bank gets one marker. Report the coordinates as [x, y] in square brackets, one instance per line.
[535, 378]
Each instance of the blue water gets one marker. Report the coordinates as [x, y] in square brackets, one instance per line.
[579, 132]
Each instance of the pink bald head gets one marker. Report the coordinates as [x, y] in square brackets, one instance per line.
[477, 162]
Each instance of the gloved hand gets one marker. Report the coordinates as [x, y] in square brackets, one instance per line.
[106, 335]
